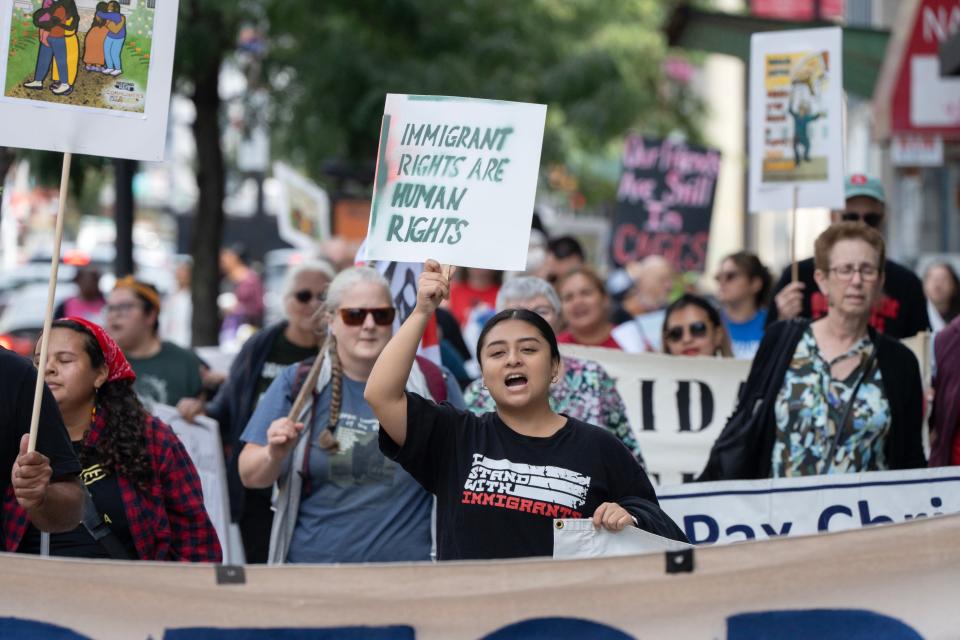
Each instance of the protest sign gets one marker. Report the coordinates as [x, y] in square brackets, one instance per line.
[796, 119]
[201, 439]
[85, 77]
[456, 180]
[738, 510]
[676, 405]
[304, 216]
[664, 202]
[896, 581]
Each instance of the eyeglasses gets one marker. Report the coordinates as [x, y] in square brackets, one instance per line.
[305, 295]
[867, 272]
[727, 276]
[121, 309]
[697, 330]
[355, 317]
[870, 218]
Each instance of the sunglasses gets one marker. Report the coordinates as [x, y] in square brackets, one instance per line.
[355, 317]
[727, 276]
[697, 330]
[305, 295]
[870, 218]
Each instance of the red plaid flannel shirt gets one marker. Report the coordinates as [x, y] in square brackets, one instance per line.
[168, 523]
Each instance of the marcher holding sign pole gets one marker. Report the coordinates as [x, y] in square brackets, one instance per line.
[455, 454]
[794, 269]
[51, 293]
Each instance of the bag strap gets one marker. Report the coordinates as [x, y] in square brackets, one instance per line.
[101, 532]
[842, 425]
[436, 383]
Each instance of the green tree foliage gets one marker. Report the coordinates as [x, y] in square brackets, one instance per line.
[598, 65]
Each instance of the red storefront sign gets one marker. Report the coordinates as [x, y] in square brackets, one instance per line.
[804, 10]
[924, 102]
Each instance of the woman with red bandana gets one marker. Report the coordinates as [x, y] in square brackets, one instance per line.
[145, 497]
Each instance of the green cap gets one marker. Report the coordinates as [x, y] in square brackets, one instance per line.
[858, 184]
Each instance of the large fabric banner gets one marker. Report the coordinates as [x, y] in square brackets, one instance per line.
[723, 512]
[677, 405]
[87, 77]
[895, 581]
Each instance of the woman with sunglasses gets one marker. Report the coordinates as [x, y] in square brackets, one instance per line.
[340, 499]
[259, 362]
[145, 494]
[692, 327]
[502, 477]
[743, 285]
[830, 396]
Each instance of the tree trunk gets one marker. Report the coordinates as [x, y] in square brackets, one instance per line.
[123, 172]
[208, 223]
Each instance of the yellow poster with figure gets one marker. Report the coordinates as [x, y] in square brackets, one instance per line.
[87, 76]
[796, 126]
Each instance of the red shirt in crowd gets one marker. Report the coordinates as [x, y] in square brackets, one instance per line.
[565, 337]
[464, 298]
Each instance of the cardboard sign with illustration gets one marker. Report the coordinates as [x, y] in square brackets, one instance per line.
[456, 181]
[796, 125]
[87, 76]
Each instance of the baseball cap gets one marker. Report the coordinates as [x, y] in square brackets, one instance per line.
[858, 184]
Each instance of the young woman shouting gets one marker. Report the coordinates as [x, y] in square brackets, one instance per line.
[502, 477]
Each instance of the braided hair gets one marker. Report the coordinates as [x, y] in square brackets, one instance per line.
[336, 384]
[122, 444]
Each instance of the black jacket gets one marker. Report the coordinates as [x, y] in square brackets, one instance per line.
[235, 401]
[745, 446]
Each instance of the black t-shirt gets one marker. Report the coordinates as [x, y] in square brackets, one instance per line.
[498, 491]
[17, 380]
[900, 313]
[105, 490]
[283, 353]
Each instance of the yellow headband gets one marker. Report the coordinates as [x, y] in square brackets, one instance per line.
[128, 282]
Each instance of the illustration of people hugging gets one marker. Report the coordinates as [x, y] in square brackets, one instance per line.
[116, 24]
[93, 43]
[59, 56]
[801, 136]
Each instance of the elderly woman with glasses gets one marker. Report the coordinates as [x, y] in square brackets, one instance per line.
[339, 498]
[833, 395]
[584, 390]
[261, 359]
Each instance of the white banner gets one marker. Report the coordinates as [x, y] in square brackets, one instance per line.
[896, 581]
[677, 405]
[796, 119]
[456, 180]
[578, 538]
[87, 77]
[201, 438]
[723, 512]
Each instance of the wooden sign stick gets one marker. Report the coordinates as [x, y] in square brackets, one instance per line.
[51, 293]
[794, 266]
